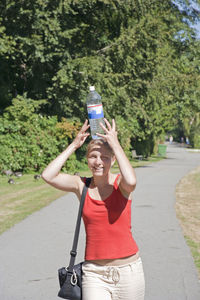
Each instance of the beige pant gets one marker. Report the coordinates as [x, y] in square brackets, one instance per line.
[113, 283]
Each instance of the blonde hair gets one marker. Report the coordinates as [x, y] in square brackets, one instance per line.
[99, 142]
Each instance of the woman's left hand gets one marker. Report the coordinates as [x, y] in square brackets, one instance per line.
[127, 181]
[110, 133]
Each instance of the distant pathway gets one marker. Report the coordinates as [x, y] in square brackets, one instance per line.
[33, 250]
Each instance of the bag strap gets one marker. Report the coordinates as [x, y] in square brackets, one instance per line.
[73, 252]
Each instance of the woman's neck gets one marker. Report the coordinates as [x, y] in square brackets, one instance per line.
[101, 181]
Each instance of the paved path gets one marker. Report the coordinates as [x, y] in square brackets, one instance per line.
[32, 251]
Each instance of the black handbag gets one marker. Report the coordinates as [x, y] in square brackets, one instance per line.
[70, 278]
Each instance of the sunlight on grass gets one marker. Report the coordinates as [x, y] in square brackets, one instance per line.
[21, 199]
[27, 195]
[188, 211]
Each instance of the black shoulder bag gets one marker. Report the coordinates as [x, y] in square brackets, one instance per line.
[70, 278]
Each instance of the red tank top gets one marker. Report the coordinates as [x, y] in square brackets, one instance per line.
[108, 226]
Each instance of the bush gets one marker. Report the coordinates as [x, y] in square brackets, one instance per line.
[145, 147]
[196, 141]
[195, 132]
[29, 140]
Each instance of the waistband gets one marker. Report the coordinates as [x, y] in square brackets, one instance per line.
[116, 262]
[111, 273]
[97, 266]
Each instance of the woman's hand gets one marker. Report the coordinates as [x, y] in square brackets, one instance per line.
[81, 136]
[110, 133]
[127, 180]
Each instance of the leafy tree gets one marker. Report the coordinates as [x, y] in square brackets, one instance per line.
[141, 55]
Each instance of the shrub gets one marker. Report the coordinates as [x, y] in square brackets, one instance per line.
[29, 140]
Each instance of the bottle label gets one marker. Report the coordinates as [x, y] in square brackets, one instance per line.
[95, 111]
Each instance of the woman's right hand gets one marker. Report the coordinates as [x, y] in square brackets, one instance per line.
[63, 181]
[81, 136]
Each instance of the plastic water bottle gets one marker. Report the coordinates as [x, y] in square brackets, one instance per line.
[95, 112]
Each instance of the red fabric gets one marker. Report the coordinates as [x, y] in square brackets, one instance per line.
[108, 227]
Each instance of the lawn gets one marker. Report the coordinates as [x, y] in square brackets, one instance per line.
[28, 195]
[21, 199]
[188, 211]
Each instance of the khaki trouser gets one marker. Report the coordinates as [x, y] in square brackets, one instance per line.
[113, 282]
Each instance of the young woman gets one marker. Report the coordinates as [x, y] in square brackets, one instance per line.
[112, 268]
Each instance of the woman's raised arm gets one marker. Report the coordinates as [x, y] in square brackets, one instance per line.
[128, 177]
[52, 174]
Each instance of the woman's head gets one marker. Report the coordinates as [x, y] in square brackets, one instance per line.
[97, 144]
[100, 157]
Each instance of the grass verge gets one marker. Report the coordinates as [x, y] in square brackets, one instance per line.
[188, 212]
[28, 195]
[21, 199]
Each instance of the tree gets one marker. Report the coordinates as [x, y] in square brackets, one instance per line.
[134, 52]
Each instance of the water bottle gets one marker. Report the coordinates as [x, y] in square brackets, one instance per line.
[95, 112]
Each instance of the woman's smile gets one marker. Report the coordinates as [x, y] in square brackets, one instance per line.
[99, 160]
[98, 169]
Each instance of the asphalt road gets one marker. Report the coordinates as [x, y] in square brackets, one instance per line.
[33, 250]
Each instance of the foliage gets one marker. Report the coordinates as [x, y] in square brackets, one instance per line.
[28, 140]
[67, 128]
[195, 131]
[141, 55]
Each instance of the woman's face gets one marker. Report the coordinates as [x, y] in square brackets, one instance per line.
[100, 160]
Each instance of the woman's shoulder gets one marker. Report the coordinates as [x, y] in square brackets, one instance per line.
[83, 179]
[86, 180]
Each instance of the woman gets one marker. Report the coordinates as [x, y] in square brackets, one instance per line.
[112, 267]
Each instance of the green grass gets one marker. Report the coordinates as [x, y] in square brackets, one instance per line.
[136, 163]
[21, 199]
[27, 195]
[194, 247]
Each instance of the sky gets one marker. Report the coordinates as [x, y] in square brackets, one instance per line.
[197, 27]
[192, 4]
